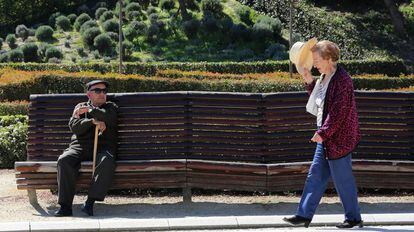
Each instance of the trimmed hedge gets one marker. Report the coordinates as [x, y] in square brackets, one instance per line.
[14, 108]
[13, 139]
[18, 85]
[387, 67]
[60, 82]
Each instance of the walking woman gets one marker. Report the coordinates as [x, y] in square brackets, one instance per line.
[332, 101]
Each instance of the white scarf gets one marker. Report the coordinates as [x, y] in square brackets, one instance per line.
[311, 105]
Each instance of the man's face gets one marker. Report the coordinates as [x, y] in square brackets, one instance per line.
[97, 94]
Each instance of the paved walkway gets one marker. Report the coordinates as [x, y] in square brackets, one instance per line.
[195, 223]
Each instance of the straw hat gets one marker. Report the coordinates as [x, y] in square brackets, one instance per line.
[300, 54]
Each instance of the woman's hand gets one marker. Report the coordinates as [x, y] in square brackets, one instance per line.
[317, 138]
[306, 75]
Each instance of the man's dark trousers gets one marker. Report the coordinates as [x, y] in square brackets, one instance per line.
[68, 166]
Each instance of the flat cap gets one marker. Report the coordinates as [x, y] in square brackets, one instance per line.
[95, 82]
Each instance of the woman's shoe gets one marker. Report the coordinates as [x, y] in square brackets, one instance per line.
[297, 220]
[347, 224]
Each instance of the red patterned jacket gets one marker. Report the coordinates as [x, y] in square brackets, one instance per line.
[340, 129]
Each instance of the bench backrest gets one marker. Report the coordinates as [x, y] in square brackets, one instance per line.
[261, 128]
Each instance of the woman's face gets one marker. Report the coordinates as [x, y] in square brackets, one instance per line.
[323, 66]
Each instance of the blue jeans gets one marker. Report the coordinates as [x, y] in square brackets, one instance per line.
[340, 171]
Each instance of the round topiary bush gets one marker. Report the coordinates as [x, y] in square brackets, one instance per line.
[153, 18]
[151, 10]
[11, 41]
[4, 57]
[88, 24]
[103, 43]
[52, 18]
[72, 18]
[113, 35]
[130, 33]
[107, 15]
[99, 12]
[111, 25]
[1, 43]
[134, 15]
[213, 6]
[277, 52]
[44, 33]
[191, 27]
[133, 6]
[89, 35]
[30, 52]
[140, 27]
[63, 23]
[41, 51]
[167, 4]
[22, 32]
[15, 55]
[271, 24]
[152, 33]
[53, 52]
[81, 19]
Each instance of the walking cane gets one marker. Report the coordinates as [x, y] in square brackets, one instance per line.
[95, 150]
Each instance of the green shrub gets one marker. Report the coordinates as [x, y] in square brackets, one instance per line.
[103, 43]
[99, 12]
[81, 19]
[53, 17]
[41, 51]
[213, 6]
[72, 18]
[151, 10]
[167, 4]
[12, 144]
[30, 52]
[113, 35]
[134, 15]
[22, 32]
[191, 27]
[15, 55]
[53, 52]
[89, 35]
[1, 43]
[209, 23]
[133, 6]
[130, 33]
[63, 23]
[276, 52]
[4, 57]
[13, 108]
[10, 120]
[88, 24]
[11, 41]
[107, 15]
[44, 33]
[111, 25]
[239, 32]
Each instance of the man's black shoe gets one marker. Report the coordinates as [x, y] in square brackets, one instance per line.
[88, 209]
[63, 212]
[298, 220]
[350, 224]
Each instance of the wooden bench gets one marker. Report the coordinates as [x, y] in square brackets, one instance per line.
[212, 140]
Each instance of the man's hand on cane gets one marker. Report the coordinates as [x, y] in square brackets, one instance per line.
[100, 125]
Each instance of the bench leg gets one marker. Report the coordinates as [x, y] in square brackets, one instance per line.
[32, 196]
[187, 195]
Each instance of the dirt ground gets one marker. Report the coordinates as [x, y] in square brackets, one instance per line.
[15, 206]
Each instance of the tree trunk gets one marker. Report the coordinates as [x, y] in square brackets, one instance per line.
[396, 17]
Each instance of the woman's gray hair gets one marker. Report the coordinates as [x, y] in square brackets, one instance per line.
[327, 50]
